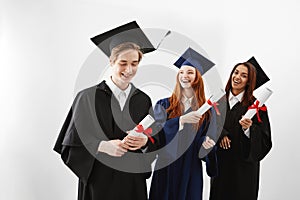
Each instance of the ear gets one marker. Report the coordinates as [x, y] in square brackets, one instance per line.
[111, 62]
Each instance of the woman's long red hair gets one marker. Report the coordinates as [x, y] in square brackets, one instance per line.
[176, 108]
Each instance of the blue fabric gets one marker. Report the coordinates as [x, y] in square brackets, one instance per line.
[192, 58]
[183, 178]
[193, 63]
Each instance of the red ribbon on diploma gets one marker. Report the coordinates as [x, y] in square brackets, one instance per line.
[140, 129]
[214, 104]
[257, 108]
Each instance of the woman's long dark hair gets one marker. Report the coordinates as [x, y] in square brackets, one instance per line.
[248, 97]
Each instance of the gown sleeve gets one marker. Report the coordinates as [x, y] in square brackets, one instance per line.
[259, 144]
[209, 155]
[169, 128]
[75, 150]
[223, 106]
[58, 144]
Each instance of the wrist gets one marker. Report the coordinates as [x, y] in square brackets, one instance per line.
[101, 146]
[181, 120]
[145, 144]
[244, 128]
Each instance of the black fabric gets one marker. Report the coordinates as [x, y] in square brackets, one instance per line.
[96, 116]
[239, 165]
[130, 32]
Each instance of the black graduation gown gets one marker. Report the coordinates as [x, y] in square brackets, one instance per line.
[95, 116]
[238, 177]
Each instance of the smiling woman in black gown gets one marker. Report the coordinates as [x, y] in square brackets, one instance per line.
[243, 142]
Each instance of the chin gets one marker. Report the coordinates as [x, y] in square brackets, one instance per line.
[124, 78]
[125, 82]
[185, 85]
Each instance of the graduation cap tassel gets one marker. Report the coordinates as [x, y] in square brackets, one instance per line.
[168, 33]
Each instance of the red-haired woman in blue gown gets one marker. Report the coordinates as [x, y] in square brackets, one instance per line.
[189, 137]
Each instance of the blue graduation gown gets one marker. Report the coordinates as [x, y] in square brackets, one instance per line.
[183, 178]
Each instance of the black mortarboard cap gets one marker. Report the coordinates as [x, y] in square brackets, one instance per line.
[192, 58]
[261, 76]
[130, 32]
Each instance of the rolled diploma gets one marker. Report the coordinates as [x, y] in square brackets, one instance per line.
[262, 98]
[146, 123]
[214, 98]
[205, 107]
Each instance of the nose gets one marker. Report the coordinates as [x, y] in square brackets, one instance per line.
[237, 76]
[129, 69]
[185, 75]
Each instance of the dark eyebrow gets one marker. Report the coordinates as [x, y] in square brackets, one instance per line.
[236, 70]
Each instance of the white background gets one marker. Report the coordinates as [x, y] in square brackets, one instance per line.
[43, 45]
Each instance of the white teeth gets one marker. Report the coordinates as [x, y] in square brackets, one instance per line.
[126, 76]
[185, 81]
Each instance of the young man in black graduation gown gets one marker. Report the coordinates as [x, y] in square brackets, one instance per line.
[93, 141]
[241, 148]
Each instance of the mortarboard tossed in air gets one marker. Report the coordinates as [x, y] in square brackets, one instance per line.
[130, 32]
[261, 77]
[194, 59]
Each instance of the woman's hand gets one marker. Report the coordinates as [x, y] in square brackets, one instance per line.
[245, 123]
[190, 118]
[225, 143]
[208, 143]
